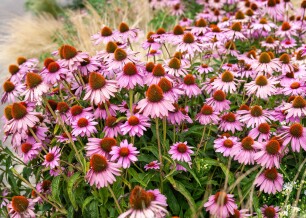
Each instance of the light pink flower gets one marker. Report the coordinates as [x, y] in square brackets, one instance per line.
[100, 146]
[84, 126]
[269, 154]
[181, 151]
[21, 207]
[270, 181]
[295, 135]
[135, 125]
[225, 144]
[154, 165]
[52, 158]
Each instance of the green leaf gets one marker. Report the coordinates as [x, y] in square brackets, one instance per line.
[71, 193]
[136, 177]
[152, 149]
[228, 173]
[171, 200]
[180, 188]
[87, 201]
[94, 209]
[56, 129]
[56, 189]
[186, 165]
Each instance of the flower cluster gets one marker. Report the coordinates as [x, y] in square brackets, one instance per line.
[226, 89]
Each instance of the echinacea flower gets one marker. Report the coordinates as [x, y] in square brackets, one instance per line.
[12, 90]
[285, 63]
[126, 33]
[4, 201]
[76, 112]
[175, 68]
[269, 154]
[244, 151]
[112, 127]
[270, 181]
[230, 122]
[135, 125]
[264, 25]
[52, 158]
[106, 35]
[296, 108]
[204, 68]
[125, 154]
[44, 187]
[36, 87]
[54, 73]
[155, 104]
[240, 214]
[70, 57]
[29, 151]
[181, 151]
[20, 207]
[295, 135]
[270, 211]
[189, 44]
[99, 90]
[84, 126]
[189, 86]
[130, 76]
[255, 116]
[101, 113]
[295, 88]
[287, 30]
[262, 87]
[262, 131]
[102, 172]
[170, 91]
[21, 119]
[226, 82]
[218, 101]
[89, 65]
[225, 144]
[158, 72]
[221, 205]
[208, 115]
[178, 116]
[264, 64]
[120, 58]
[270, 43]
[100, 146]
[154, 165]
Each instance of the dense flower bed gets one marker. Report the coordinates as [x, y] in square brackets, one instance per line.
[205, 118]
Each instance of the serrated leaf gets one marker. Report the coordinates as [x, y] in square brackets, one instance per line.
[94, 209]
[152, 149]
[87, 201]
[136, 176]
[56, 189]
[71, 193]
[186, 165]
[171, 200]
[180, 188]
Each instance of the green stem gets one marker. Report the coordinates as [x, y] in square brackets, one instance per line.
[159, 154]
[131, 100]
[115, 199]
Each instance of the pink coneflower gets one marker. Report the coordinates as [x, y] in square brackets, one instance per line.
[230, 122]
[234, 32]
[11, 90]
[151, 43]
[155, 104]
[29, 63]
[17, 73]
[158, 196]
[270, 211]
[244, 151]
[224, 144]
[119, 59]
[269, 154]
[208, 115]
[295, 135]
[189, 44]
[76, 112]
[255, 116]
[100, 90]
[175, 68]
[262, 87]
[54, 73]
[130, 76]
[170, 91]
[200, 27]
[135, 125]
[221, 205]
[100, 146]
[287, 30]
[265, 63]
[295, 109]
[154, 165]
[177, 9]
[158, 72]
[126, 33]
[264, 25]
[295, 88]
[63, 138]
[288, 43]
[125, 154]
[176, 35]
[101, 113]
[181, 151]
[106, 35]
[189, 86]
[270, 181]
[35, 88]
[285, 63]
[154, 53]
[21, 207]
[89, 65]
[218, 101]
[64, 110]
[30, 151]
[4, 200]
[70, 57]
[226, 82]
[102, 172]
[262, 131]
[240, 214]
[21, 119]
[44, 187]
[270, 43]
[204, 68]
[84, 126]
[144, 204]
[185, 22]
[112, 127]
[52, 158]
